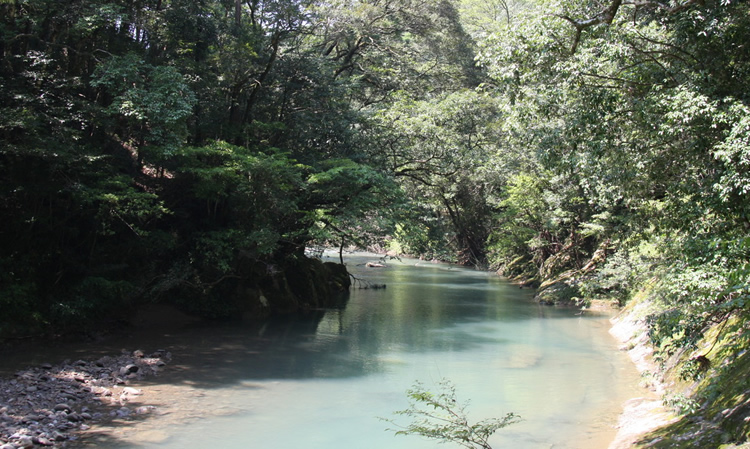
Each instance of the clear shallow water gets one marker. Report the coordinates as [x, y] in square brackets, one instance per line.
[322, 380]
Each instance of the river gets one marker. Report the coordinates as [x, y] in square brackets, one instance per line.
[323, 379]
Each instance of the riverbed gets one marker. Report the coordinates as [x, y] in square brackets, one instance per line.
[323, 379]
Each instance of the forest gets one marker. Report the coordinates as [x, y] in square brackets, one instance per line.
[189, 151]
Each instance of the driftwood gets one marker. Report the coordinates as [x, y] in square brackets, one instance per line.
[364, 284]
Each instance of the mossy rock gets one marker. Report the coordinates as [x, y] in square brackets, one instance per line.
[557, 293]
[560, 290]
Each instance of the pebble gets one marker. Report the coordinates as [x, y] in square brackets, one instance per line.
[132, 391]
[45, 406]
[144, 410]
[42, 441]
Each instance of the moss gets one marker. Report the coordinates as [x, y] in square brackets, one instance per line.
[718, 384]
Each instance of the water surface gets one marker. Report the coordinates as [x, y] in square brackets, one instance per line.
[322, 380]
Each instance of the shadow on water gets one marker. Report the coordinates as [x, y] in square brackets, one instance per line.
[426, 309]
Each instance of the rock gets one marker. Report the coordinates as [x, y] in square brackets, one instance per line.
[101, 391]
[131, 391]
[128, 369]
[42, 441]
[36, 404]
[144, 410]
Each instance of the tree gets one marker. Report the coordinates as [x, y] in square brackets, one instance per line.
[439, 150]
[150, 106]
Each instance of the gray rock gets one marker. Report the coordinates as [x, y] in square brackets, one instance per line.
[43, 441]
[144, 410]
[25, 442]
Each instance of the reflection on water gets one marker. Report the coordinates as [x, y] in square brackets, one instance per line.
[322, 379]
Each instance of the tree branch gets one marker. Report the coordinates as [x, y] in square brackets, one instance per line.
[607, 15]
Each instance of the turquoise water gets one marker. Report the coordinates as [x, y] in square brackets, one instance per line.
[322, 380]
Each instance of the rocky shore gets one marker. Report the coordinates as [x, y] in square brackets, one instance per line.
[49, 405]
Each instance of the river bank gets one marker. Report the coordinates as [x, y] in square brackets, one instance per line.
[646, 413]
[50, 405]
[680, 410]
[237, 387]
[76, 404]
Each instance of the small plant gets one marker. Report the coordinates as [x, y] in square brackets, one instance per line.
[681, 404]
[439, 416]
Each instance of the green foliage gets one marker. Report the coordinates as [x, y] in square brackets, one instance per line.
[524, 212]
[93, 300]
[439, 150]
[420, 233]
[153, 101]
[138, 136]
[439, 416]
[354, 203]
[681, 404]
[20, 314]
[121, 207]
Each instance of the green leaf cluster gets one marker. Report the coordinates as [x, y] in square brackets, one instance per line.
[440, 416]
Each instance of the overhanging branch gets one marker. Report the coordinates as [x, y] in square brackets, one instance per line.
[607, 15]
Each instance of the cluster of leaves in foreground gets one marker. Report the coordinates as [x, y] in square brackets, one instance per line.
[439, 416]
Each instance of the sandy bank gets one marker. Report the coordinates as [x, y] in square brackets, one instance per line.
[645, 413]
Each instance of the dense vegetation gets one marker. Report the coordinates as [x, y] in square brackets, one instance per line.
[170, 150]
